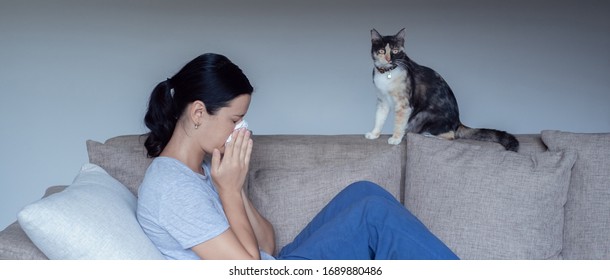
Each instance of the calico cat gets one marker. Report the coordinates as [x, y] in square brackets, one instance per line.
[423, 102]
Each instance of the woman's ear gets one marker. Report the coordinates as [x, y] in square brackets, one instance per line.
[197, 112]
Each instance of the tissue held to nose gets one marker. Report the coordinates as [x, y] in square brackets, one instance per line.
[239, 125]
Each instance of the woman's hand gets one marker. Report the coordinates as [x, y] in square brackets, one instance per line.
[229, 171]
[229, 174]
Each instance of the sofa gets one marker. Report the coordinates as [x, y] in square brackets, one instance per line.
[551, 200]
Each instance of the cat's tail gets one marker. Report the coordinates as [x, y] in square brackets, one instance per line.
[503, 138]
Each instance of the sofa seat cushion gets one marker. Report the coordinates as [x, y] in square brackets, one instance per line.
[293, 177]
[587, 211]
[93, 218]
[488, 203]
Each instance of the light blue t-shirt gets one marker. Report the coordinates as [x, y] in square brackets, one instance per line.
[179, 208]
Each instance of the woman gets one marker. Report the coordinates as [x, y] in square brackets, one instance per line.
[193, 208]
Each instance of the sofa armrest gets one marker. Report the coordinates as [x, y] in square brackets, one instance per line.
[16, 245]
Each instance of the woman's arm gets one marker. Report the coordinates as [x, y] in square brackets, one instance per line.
[239, 241]
[263, 230]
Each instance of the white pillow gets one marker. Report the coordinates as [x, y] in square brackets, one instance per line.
[94, 218]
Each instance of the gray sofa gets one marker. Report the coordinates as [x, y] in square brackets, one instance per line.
[549, 201]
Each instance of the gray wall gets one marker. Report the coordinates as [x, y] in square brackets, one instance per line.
[71, 71]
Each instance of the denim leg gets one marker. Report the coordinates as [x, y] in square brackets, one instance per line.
[364, 221]
[344, 199]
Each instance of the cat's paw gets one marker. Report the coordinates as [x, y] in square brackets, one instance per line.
[394, 140]
[371, 135]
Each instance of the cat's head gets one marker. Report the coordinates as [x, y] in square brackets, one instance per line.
[386, 49]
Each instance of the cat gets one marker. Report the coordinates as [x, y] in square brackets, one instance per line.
[423, 102]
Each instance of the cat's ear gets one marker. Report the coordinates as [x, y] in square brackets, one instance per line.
[375, 36]
[400, 35]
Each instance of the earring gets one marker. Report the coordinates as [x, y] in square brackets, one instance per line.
[196, 126]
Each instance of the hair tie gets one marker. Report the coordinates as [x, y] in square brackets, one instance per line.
[170, 86]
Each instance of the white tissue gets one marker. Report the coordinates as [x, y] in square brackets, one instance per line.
[241, 124]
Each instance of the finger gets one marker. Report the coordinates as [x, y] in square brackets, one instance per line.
[244, 146]
[249, 151]
[215, 160]
[229, 146]
[238, 143]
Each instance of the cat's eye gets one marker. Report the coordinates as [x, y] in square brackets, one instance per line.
[381, 51]
[395, 51]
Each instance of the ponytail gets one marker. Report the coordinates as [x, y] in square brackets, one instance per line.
[160, 118]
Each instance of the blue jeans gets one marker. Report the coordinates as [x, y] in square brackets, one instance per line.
[365, 222]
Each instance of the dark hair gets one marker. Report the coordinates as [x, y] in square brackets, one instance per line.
[211, 78]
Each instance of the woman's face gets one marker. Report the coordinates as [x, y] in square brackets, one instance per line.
[218, 127]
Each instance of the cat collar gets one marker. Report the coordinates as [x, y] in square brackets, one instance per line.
[383, 70]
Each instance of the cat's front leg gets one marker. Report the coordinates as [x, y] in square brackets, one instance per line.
[383, 109]
[403, 112]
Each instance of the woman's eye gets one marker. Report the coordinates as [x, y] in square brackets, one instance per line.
[382, 51]
[395, 51]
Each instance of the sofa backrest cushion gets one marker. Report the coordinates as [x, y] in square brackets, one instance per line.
[587, 211]
[488, 203]
[123, 157]
[292, 177]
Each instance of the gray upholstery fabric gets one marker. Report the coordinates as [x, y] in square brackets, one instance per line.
[292, 177]
[123, 157]
[16, 245]
[488, 203]
[587, 211]
[528, 144]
